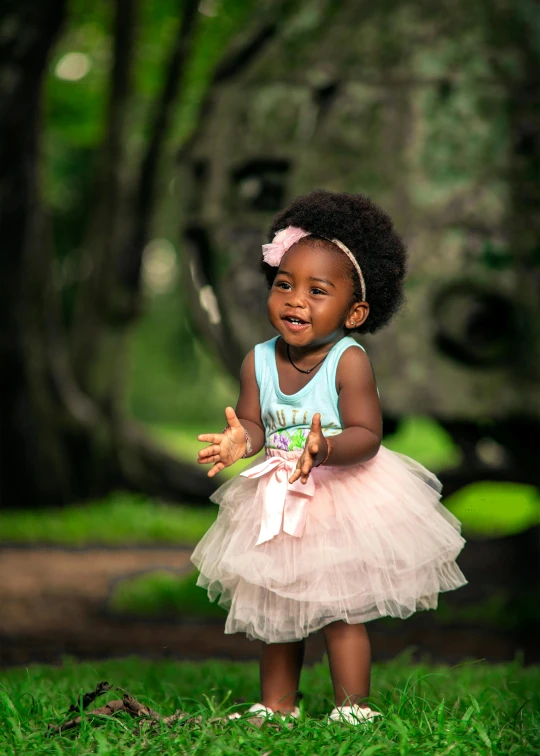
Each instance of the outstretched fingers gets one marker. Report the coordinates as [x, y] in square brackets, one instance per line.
[211, 438]
[209, 453]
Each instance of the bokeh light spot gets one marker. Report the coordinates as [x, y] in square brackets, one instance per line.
[73, 66]
[159, 266]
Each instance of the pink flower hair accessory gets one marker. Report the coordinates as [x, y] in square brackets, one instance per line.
[273, 252]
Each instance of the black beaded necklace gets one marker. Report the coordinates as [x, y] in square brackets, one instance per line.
[300, 369]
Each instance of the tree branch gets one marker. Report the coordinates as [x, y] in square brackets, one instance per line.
[128, 262]
[106, 220]
[208, 311]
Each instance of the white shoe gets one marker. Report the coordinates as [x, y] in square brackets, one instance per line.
[353, 714]
[261, 710]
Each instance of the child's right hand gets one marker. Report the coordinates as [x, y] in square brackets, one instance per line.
[225, 448]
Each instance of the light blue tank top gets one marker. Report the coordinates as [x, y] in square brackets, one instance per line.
[287, 417]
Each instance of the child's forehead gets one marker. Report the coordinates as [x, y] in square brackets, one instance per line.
[313, 258]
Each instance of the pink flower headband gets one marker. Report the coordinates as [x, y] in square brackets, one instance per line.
[273, 252]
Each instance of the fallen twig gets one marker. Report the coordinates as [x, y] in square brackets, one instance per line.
[141, 711]
[126, 703]
[87, 698]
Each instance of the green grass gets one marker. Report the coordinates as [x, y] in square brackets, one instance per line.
[471, 709]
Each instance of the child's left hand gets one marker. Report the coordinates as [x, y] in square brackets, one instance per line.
[314, 452]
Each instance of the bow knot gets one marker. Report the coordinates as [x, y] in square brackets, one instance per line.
[285, 504]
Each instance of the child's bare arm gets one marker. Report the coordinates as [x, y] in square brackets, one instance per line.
[359, 409]
[360, 413]
[228, 447]
[248, 407]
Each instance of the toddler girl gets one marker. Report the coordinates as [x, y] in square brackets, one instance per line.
[332, 529]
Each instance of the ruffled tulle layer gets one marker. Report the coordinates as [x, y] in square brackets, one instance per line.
[376, 542]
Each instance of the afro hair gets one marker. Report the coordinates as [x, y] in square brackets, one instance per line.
[367, 230]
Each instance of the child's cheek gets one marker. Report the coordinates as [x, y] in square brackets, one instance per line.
[273, 309]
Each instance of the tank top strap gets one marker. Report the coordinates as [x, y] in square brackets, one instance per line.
[335, 355]
[264, 353]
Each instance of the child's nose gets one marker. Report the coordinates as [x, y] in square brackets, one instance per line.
[296, 298]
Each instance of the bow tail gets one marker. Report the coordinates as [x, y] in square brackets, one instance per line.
[272, 511]
[285, 504]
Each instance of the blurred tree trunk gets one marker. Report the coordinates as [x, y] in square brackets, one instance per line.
[110, 298]
[514, 34]
[63, 435]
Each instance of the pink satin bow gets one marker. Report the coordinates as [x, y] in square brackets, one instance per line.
[284, 502]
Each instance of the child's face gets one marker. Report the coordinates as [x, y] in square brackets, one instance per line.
[324, 307]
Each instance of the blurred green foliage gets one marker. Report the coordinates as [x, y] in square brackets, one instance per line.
[120, 518]
[165, 594]
[175, 380]
[423, 439]
[74, 129]
[496, 508]
[75, 110]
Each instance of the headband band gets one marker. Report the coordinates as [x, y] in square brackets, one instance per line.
[273, 252]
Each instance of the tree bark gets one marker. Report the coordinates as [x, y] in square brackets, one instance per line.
[29, 31]
[108, 215]
[515, 58]
[58, 442]
[110, 297]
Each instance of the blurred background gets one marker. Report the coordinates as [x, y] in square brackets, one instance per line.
[145, 148]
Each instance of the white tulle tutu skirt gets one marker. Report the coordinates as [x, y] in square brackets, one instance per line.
[375, 541]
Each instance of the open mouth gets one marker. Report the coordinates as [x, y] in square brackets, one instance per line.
[295, 321]
[295, 324]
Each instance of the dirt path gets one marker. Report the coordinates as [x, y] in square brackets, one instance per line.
[54, 602]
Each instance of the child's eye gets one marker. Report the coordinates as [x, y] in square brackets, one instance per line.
[318, 291]
[280, 284]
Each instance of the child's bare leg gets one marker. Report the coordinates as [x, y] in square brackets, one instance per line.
[349, 655]
[281, 664]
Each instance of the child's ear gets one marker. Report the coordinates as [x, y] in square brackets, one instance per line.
[357, 314]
